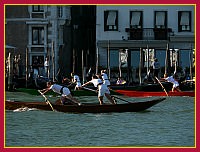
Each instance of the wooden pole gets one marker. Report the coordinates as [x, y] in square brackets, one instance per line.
[10, 71]
[109, 58]
[140, 67]
[147, 59]
[53, 61]
[46, 100]
[162, 86]
[120, 71]
[83, 75]
[97, 60]
[166, 58]
[190, 60]
[175, 64]
[74, 57]
[48, 57]
[26, 67]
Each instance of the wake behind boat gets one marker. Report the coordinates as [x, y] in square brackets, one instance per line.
[86, 107]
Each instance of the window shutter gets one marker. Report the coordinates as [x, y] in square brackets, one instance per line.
[160, 18]
[111, 18]
[184, 18]
[135, 20]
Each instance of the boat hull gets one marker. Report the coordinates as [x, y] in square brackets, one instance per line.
[85, 108]
[150, 94]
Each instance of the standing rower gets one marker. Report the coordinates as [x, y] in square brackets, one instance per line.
[173, 81]
[105, 77]
[102, 88]
[76, 80]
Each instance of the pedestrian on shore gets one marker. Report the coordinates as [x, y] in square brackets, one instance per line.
[120, 81]
[66, 96]
[46, 67]
[156, 68]
[102, 89]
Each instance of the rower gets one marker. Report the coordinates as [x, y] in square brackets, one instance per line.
[105, 77]
[66, 96]
[102, 89]
[76, 80]
[173, 81]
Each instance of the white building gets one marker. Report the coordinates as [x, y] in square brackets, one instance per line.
[133, 35]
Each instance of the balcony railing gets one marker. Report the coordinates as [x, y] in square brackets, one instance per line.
[148, 33]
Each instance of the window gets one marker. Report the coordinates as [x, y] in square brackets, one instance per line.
[135, 19]
[38, 8]
[114, 58]
[37, 61]
[118, 57]
[135, 58]
[110, 21]
[60, 11]
[184, 21]
[160, 19]
[38, 35]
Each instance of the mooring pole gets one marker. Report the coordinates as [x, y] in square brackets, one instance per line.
[10, 71]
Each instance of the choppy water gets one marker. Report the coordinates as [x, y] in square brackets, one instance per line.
[170, 123]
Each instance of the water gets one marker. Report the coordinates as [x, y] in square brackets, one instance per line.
[167, 124]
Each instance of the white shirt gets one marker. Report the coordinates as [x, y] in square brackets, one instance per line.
[171, 79]
[76, 78]
[104, 76]
[46, 63]
[56, 88]
[105, 79]
[96, 82]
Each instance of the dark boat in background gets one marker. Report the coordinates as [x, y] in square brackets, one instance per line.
[154, 87]
[152, 94]
[86, 107]
[40, 83]
[142, 90]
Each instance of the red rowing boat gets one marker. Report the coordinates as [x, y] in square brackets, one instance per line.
[131, 93]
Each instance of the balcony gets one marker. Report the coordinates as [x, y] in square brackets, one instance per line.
[148, 33]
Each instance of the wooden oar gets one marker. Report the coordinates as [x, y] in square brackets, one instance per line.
[121, 99]
[162, 86]
[111, 96]
[46, 100]
[89, 89]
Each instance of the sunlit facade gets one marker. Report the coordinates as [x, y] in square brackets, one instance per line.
[143, 33]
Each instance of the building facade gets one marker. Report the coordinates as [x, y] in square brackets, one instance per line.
[129, 37]
[37, 33]
[123, 39]
[61, 37]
